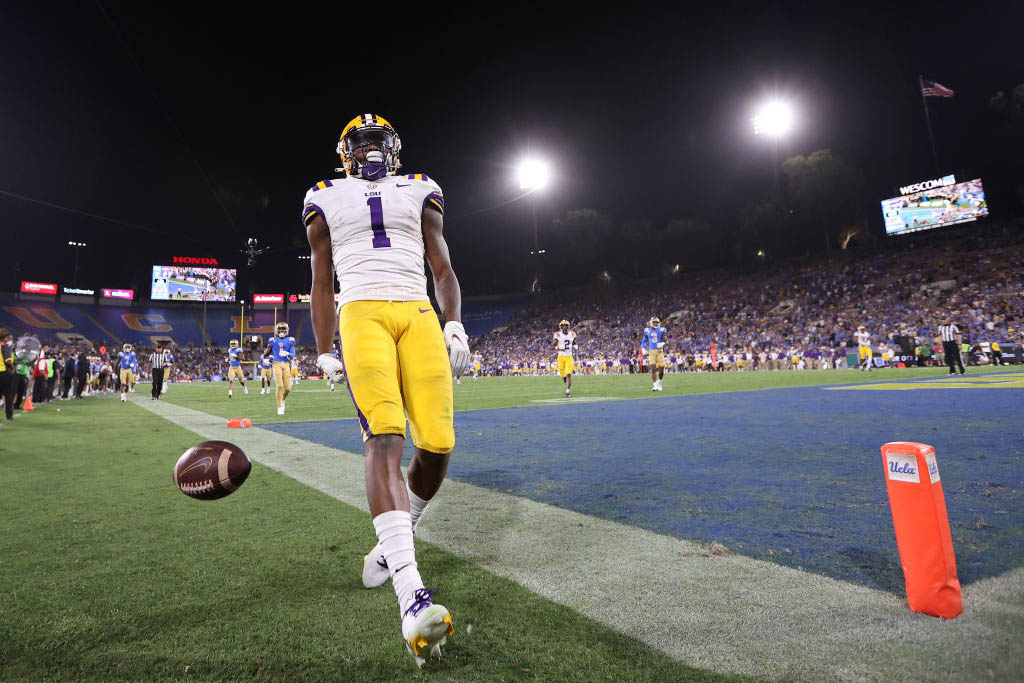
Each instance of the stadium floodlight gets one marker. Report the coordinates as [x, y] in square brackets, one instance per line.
[533, 174]
[773, 119]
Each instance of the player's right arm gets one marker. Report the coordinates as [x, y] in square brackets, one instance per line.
[321, 296]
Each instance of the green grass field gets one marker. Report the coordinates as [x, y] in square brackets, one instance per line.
[310, 399]
[107, 572]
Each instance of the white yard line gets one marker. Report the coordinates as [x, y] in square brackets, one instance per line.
[724, 613]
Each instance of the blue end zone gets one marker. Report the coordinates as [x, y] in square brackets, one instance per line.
[792, 476]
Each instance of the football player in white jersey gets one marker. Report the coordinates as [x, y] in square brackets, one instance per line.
[864, 348]
[374, 228]
[478, 360]
[565, 342]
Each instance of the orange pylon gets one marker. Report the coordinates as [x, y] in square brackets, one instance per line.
[28, 404]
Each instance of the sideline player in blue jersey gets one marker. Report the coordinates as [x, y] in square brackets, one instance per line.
[654, 342]
[235, 366]
[135, 372]
[265, 374]
[281, 350]
[125, 360]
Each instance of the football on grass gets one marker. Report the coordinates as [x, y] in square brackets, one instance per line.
[211, 470]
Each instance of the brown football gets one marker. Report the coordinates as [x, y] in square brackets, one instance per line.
[211, 470]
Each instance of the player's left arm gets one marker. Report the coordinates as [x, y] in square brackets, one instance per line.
[446, 285]
[446, 288]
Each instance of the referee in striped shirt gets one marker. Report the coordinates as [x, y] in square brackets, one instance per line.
[158, 360]
[950, 334]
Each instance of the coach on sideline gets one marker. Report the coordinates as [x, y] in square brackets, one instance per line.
[158, 362]
[950, 334]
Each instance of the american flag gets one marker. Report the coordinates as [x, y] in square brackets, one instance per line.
[933, 89]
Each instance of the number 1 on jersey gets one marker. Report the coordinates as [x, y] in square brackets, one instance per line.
[380, 238]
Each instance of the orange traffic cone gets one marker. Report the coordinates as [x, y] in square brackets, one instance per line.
[28, 404]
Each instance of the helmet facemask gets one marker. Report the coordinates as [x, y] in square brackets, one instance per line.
[377, 145]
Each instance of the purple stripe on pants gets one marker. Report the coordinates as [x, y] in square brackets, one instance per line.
[348, 384]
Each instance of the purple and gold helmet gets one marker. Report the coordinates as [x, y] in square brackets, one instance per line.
[363, 131]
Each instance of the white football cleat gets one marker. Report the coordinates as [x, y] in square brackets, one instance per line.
[425, 627]
[375, 568]
[246, 390]
[280, 411]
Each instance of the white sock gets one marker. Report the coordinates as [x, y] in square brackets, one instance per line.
[417, 506]
[229, 392]
[394, 531]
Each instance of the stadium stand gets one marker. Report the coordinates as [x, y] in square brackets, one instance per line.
[805, 308]
[800, 313]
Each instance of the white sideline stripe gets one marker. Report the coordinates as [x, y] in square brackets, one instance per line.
[730, 614]
[581, 399]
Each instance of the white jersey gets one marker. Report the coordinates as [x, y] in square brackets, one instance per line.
[565, 342]
[863, 339]
[376, 234]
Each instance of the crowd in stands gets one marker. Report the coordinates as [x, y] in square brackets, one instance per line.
[804, 312]
[799, 314]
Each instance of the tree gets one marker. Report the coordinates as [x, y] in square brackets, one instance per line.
[1010, 107]
[851, 231]
[1006, 134]
[634, 251]
[762, 225]
[691, 243]
[825, 192]
[581, 245]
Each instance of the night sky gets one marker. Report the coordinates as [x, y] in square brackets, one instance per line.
[201, 127]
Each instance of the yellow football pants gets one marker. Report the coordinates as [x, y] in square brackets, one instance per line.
[396, 364]
[282, 380]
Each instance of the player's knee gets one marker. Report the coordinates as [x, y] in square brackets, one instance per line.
[386, 417]
[439, 439]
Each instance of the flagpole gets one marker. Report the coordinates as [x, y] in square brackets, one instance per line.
[928, 123]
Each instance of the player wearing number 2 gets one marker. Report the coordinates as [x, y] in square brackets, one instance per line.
[374, 228]
[565, 342]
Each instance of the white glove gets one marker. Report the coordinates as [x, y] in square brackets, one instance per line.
[331, 367]
[458, 347]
